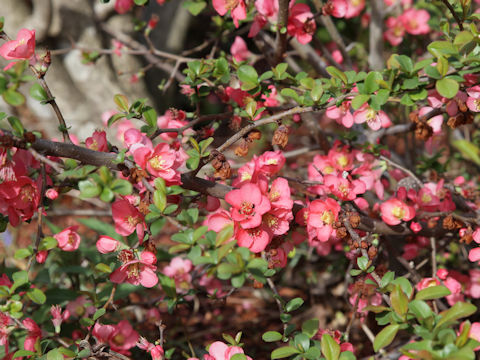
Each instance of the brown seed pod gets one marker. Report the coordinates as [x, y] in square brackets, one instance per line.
[242, 148]
[254, 135]
[280, 136]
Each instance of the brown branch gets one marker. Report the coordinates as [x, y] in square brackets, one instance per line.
[375, 56]
[281, 38]
[455, 16]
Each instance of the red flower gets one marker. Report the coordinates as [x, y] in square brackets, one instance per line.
[394, 211]
[161, 162]
[97, 142]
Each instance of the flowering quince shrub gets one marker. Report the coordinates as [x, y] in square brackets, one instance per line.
[312, 192]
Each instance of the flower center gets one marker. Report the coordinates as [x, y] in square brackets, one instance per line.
[426, 198]
[26, 194]
[272, 221]
[274, 195]
[133, 270]
[342, 161]
[328, 217]
[247, 208]
[157, 162]
[118, 339]
[328, 169]
[398, 212]
[132, 220]
[231, 4]
[71, 239]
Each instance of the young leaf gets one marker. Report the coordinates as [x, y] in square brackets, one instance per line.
[385, 337]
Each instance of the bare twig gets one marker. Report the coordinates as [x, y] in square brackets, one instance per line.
[405, 170]
[455, 16]
[375, 56]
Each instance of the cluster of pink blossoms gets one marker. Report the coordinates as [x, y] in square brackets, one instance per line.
[343, 115]
[257, 213]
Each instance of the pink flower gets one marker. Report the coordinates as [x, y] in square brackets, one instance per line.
[34, 334]
[341, 114]
[106, 244]
[127, 218]
[68, 239]
[57, 317]
[321, 216]
[239, 49]
[221, 351]
[255, 239]
[270, 162]
[162, 161]
[394, 211]
[179, 269]
[375, 119]
[237, 9]
[415, 21]
[248, 205]
[136, 270]
[343, 188]
[79, 307]
[395, 31]
[473, 288]
[52, 194]
[123, 6]
[97, 142]
[120, 337]
[301, 23]
[41, 256]
[354, 8]
[427, 282]
[4, 322]
[335, 8]
[22, 48]
[156, 351]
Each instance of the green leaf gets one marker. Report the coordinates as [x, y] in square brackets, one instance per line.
[114, 118]
[140, 2]
[160, 199]
[370, 82]
[122, 102]
[151, 117]
[294, 304]
[100, 227]
[89, 188]
[36, 295]
[405, 63]
[16, 125]
[468, 150]
[122, 187]
[439, 48]
[420, 309]
[13, 97]
[271, 336]
[447, 87]
[194, 7]
[107, 195]
[168, 285]
[48, 243]
[399, 301]
[385, 337]
[248, 76]
[332, 70]
[310, 327]
[99, 313]
[457, 311]
[239, 357]
[38, 93]
[54, 354]
[291, 93]
[21, 353]
[23, 253]
[359, 100]
[103, 268]
[363, 262]
[330, 348]
[432, 292]
[387, 278]
[284, 352]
